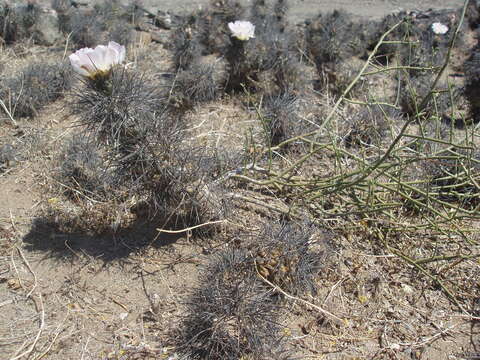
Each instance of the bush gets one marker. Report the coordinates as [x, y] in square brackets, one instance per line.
[472, 82]
[16, 21]
[335, 37]
[230, 315]
[125, 115]
[473, 14]
[203, 81]
[272, 49]
[415, 89]
[370, 125]
[233, 313]
[454, 177]
[280, 118]
[81, 170]
[207, 33]
[332, 41]
[36, 85]
[146, 152]
[287, 255]
[86, 29]
[108, 21]
[204, 32]
[7, 156]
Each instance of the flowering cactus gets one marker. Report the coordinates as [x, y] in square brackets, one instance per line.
[98, 62]
[439, 28]
[242, 30]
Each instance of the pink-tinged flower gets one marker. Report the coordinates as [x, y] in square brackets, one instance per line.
[99, 61]
[242, 30]
[439, 28]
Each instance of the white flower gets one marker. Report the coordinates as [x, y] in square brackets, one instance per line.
[99, 61]
[242, 30]
[439, 28]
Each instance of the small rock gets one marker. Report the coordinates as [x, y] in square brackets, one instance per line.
[163, 20]
[39, 22]
[13, 284]
[395, 347]
[46, 30]
[407, 288]
[142, 39]
[155, 302]
[123, 315]
[7, 156]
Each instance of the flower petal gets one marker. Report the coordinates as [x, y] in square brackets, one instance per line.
[120, 49]
[89, 62]
[111, 57]
[99, 58]
[81, 62]
[77, 65]
[439, 28]
[233, 27]
[242, 30]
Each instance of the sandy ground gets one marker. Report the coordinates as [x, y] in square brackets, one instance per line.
[302, 9]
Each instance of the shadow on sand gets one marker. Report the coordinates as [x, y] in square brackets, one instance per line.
[45, 235]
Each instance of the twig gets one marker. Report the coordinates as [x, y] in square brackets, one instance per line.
[16, 270]
[12, 221]
[339, 282]
[8, 113]
[345, 93]
[404, 67]
[120, 304]
[40, 330]
[190, 228]
[420, 268]
[429, 339]
[58, 331]
[66, 45]
[6, 302]
[85, 347]
[289, 212]
[39, 305]
[29, 269]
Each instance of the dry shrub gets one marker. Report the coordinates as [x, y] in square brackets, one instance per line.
[35, 86]
[230, 315]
